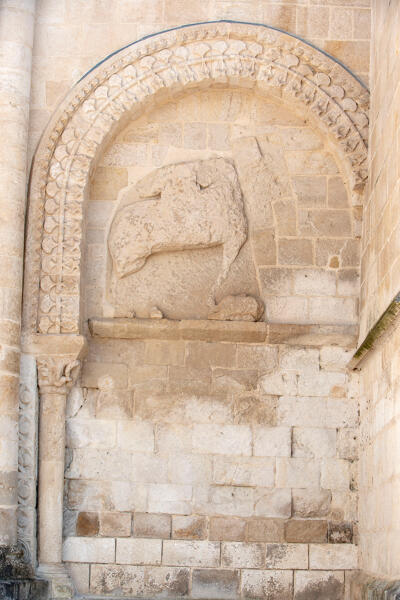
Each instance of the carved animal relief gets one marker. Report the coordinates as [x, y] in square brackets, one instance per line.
[187, 206]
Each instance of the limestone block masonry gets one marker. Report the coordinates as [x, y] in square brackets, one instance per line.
[188, 425]
[201, 458]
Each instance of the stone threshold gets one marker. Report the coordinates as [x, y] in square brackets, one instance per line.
[224, 331]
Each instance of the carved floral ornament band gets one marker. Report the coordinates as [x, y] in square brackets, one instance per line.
[128, 83]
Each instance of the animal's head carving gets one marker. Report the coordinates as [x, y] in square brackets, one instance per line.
[185, 206]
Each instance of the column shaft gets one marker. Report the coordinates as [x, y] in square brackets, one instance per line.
[16, 40]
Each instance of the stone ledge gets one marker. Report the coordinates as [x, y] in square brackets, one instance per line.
[224, 331]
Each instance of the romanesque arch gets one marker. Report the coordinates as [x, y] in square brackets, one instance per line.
[136, 78]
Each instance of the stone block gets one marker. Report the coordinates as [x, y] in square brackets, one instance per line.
[166, 582]
[218, 136]
[335, 474]
[243, 555]
[297, 472]
[87, 524]
[115, 524]
[216, 439]
[224, 500]
[348, 283]
[334, 358]
[297, 252]
[311, 163]
[189, 528]
[189, 380]
[285, 216]
[90, 433]
[278, 280]
[314, 282]
[210, 354]
[347, 443]
[169, 498]
[275, 503]
[337, 194]
[138, 551]
[269, 585]
[286, 556]
[114, 404]
[305, 531]
[279, 383]
[272, 441]
[147, 525]
[324, 223]
[310, 191]
[225, 381]
[266, 530]
[340, 533]
[189, 469]
[137, 436]
[318, 584]
[341, 311]
[79, 574]
[333, 556]
[324, 383]
[264, 247]
[160, 352]
[94, 463]
[217, 584]
[195, 136]
[114, 579]
[288, 309]
[149, 468]
[227, 529]
[173, 438]
[264, 358]
[104, 375]
[312, 442]
[244, 471]
[89, 550]
[250, 410]
[299, 359]
[107, 182]
[191, 553]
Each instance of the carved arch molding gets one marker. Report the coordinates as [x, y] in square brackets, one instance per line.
[136, 78]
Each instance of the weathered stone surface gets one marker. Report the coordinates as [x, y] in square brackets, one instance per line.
[146, 525]
[237, 308]
[313, 585]
[286, 556]
[215, 583]
[306, 531]
[266, 530]
[189, 528]
[269, 584]
[242, 555]
[227, 529]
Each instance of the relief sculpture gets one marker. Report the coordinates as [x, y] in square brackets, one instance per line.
[186, 206]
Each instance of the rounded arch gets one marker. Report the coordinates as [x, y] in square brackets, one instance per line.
[132, 81]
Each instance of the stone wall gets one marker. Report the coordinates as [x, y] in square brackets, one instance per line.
[380, 263]
[80, 33]
[379, 449]
[194, 466]
[303, 248]
[380, 460]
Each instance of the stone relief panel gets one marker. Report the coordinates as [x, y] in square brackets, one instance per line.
[281, 228]
[187, 206]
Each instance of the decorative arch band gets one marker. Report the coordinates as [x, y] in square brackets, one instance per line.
[134, 80]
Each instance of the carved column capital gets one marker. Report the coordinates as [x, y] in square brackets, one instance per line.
[57, 374]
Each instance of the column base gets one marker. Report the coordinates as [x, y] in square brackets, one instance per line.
[59, 582]
[366, 587]
[17, 577]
